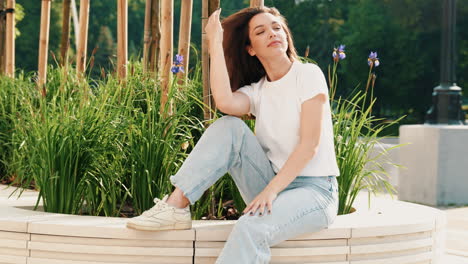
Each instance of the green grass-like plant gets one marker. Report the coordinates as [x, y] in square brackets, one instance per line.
[356, 133]
[93, 147]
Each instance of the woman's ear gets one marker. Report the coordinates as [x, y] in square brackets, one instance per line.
[250, 50]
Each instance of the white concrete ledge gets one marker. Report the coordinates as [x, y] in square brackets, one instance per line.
[394, 232]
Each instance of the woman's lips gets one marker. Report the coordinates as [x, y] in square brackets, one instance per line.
[274, 42]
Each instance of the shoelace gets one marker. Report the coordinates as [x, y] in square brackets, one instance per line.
[158, 205]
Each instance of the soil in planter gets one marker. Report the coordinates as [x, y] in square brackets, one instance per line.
[13, 181]
[228, 212]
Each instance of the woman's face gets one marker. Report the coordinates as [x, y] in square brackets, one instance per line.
[267, 36]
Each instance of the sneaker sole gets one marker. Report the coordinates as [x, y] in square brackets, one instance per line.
[183, 226]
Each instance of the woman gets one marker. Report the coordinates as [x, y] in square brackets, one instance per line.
[286, 173]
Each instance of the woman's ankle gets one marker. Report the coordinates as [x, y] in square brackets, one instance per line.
[177, 199]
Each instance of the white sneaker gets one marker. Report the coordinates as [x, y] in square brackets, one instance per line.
[162, 216]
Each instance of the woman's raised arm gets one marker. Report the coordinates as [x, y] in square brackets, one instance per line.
[227, 102]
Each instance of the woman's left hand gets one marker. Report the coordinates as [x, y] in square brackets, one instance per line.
[264, 199]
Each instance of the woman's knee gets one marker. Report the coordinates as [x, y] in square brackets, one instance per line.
[228, 123]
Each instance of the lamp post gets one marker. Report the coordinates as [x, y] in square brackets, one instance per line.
[446, 98]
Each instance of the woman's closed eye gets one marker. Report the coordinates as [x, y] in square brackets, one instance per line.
[261, 32]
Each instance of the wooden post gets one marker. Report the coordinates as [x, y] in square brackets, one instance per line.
[154, 50]
[65, 41]
[255, 3]
[208, 7]
[82, 42]
[184, 37]
[44, 42]
[167, 12]
[122, 35]
[76, 23]
[205, 64]
[147, 35]
[10, 39]
[2, 39]
[213, 5]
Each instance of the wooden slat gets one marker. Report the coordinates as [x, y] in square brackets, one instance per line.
[205, 63]
[167, 13]
[122, 38]
[64, 261]
[184, 36]
[2, 39]
[147, 35]
[13, 243]
[14, 235]
[284, 252]
[389, 247]
[10, 40]
[44, 42]
[8, 259]
[112, 242]
[110, 258]
[390, 238]
[65, 40]
[155, 56]
[413, 258]
[115, 250]
[396, 229]
[255, 3]
[14, 252]
[83, 38]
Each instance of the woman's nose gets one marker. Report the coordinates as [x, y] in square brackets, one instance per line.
[272, 33]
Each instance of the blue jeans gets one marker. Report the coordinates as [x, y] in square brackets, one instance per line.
[308, 204]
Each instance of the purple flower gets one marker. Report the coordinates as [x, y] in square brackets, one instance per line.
[373, 60]
[176, 69]
[178, 59]
[339, 53]
[178, 64]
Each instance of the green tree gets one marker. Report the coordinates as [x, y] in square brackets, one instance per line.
[406, 35]
[27, 43]
[105, 52]
[462, 46]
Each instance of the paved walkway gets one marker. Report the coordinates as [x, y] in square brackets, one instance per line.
[457, 220]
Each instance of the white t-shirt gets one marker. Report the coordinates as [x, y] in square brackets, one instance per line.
[277, 108]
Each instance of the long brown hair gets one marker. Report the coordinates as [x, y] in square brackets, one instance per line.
[244, 69]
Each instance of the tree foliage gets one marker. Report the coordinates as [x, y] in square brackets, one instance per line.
[405, 33]
[27, 43]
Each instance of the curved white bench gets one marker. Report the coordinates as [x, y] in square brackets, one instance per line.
[395, 232]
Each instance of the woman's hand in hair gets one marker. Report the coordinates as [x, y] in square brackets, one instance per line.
[214, 30]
